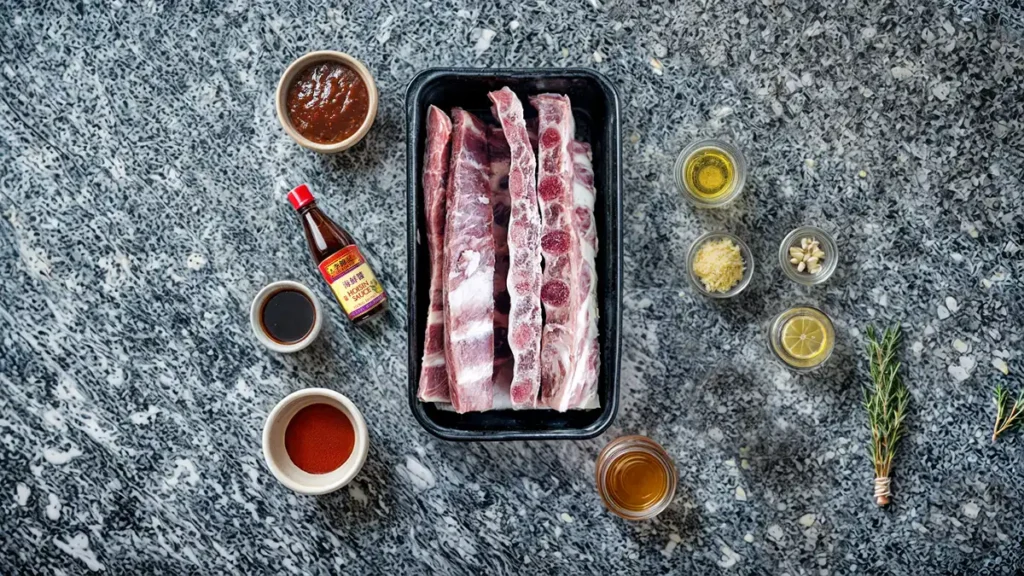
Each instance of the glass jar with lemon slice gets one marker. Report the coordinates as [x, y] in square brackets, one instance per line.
[802, 337]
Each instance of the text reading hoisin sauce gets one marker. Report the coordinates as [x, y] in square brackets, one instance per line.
[339, 260]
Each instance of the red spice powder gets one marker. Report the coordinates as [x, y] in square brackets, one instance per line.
[319, 438]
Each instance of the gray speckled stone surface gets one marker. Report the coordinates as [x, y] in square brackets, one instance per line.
[142, 182]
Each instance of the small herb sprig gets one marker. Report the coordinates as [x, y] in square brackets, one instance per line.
[886, 400]
[1006, 415]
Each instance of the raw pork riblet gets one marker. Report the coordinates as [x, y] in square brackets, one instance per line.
[588, 353]
[524, 274]
[501, 204]
[560, 290]
[433, 371]
[469, 269]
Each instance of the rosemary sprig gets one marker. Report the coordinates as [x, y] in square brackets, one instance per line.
[1006, 419]
[886, 400]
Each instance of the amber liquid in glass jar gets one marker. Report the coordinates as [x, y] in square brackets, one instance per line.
[636, 481]
[635, 477]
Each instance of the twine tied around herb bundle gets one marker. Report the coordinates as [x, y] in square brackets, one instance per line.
[882, 492]
[886, 400]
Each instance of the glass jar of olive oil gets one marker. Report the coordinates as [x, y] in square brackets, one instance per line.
[710, 173]
[635, 477]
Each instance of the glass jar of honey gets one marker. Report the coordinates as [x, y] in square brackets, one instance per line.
[635, 477]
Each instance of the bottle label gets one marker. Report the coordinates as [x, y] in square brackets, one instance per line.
[352, 281]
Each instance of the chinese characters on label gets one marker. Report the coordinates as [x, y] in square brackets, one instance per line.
[352, 281]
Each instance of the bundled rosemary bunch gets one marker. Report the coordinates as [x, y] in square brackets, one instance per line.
[885, 399]
[1007, 413]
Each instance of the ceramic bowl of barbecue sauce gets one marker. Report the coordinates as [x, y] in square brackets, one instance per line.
[285, 316]
[326, 101]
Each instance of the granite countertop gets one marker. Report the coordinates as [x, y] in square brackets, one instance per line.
[142, 183]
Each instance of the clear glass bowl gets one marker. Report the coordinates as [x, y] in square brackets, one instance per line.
[828, 246]
[625, 446]
[748, 264]
[793, 362]
[739, 173]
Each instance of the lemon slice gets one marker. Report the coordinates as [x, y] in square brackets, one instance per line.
[803, 337]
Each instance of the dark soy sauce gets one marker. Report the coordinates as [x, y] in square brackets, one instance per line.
[287, 316]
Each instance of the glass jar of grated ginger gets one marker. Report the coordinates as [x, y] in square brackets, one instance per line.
[720, 265]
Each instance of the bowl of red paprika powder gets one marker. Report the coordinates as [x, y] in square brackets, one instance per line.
[315, 441]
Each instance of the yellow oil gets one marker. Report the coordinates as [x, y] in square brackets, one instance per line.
[709, 173]
[636, 481]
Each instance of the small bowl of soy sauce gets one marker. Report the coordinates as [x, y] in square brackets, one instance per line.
[285, 316]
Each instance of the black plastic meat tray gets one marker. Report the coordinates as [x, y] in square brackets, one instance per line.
[595, 107]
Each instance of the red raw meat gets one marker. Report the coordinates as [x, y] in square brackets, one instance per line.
[469, 269]
[587, 350]
[524, 277]
[433, 371]
[501, 203]
[560, 290]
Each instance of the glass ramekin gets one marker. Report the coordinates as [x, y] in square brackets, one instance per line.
[748, 264]
[627, 445]
[792, 362]
[739, 169]
[828, 246]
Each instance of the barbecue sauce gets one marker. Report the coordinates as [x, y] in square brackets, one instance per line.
[328, 102]
[339, 260]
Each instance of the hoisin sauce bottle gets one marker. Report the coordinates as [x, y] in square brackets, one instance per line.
[339, 260]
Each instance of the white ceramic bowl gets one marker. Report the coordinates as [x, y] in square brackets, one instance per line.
[257, 307]
[281, 464]
[281, 99]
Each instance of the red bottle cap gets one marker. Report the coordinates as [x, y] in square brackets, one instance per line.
[300, 196]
